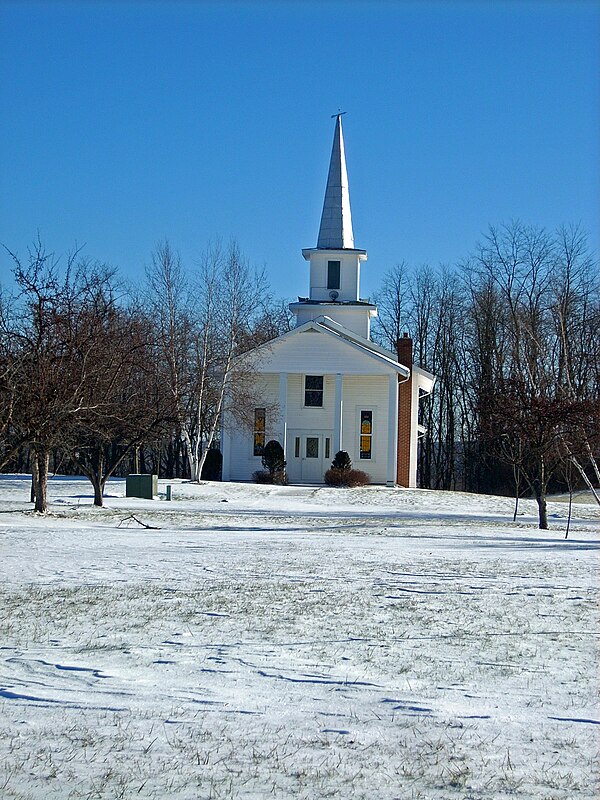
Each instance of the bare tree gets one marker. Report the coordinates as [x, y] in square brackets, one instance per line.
[204, 322]
[548, 309]
[575, 312]
[234, 296]
[9, 365]
[522, 310]
[173, 313]
[394, 306]
[132, 404]
[58, 352]
[537, 433]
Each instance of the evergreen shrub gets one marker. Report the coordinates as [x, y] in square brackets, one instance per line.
[211, 471]
[341, 460]
[273, 462]
[342, 473]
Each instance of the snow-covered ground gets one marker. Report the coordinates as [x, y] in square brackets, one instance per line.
[296, 642]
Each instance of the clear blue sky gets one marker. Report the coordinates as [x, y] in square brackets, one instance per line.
[124, 123]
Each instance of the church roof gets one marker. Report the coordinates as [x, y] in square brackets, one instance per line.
[335, 231]
[327, 326]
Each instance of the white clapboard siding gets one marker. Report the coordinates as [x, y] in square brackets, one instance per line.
[241, 436]
[310, 418]
[366, 392]
[318, 354]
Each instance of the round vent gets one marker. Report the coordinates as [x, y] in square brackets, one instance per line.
[334, 295]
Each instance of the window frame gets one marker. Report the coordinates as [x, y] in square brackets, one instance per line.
[321, 390]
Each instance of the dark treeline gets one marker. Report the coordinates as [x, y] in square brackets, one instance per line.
[100, 379]
[513, 335]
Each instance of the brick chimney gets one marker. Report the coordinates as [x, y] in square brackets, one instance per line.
[405, 357]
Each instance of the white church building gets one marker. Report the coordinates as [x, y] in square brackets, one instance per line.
[326, 386]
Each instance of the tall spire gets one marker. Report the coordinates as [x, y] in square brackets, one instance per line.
[335, 232]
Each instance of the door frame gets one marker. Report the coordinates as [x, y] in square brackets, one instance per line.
[297, 472]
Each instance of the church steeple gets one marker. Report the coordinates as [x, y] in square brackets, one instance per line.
[335, 262]
[335, 231]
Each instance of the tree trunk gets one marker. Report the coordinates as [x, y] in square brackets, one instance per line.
[190, 445]
[40, 477]
[98, 487]
[34, 479]
[593, 460]
[197, 466]
[99, 465]
[543, 510]
[583, 474]
[570, 505]
[98, 479]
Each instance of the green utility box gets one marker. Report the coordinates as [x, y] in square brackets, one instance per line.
[145, 486]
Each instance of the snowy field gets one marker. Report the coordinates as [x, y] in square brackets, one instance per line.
[296, 642]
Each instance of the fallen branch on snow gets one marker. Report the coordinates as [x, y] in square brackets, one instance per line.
[139, 522]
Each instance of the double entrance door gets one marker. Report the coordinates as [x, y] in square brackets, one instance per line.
[309, 454]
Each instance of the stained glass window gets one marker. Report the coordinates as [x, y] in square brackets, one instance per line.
[259, 430]
[312, 446]
[366, 434]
